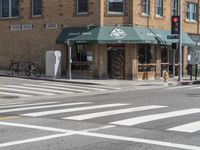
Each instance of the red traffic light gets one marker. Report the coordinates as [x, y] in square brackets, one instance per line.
[175, 19]
[175, 25]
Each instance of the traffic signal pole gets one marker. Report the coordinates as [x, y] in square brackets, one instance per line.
[180, 45]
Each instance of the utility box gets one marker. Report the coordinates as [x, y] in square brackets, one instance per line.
[53, 64]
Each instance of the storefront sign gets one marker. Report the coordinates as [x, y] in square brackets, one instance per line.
[118, 33]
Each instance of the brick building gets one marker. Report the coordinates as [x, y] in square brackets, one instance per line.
[124, 39]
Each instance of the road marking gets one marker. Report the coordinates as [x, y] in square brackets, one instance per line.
[40, 89]
[196, 87]
[12, 103]
[39, 107]
[113, 112]
[99, 128]
[65, 132]
[32, 104]
[139, 140]
[73, 86]
[43, 113]
[24, 91]
[15, 94]
[35, 139]
[34, 127]
[148, 118]
[179, 87]
[60, 88]
[190, 127]
[8, 117]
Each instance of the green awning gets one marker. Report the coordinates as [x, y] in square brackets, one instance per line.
[161, 36]
[119, 34]
[78, 35]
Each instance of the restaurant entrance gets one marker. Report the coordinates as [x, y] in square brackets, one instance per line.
[115, 63]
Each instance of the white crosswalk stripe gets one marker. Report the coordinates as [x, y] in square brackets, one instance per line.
[53, 87]
[76, 86]
[37, 88]
[45, 106]
[24, 90]
[110, 109]
[113, 112]
[49, 89]
[148, 118]
[21, 105]
[44, 113]
[14, 94]
[190, 127]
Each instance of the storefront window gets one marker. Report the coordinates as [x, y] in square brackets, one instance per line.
[82, 57]
[146, 58]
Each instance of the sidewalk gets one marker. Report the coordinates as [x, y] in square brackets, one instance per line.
[115, 82]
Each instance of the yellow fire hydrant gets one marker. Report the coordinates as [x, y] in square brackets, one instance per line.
[165, 76]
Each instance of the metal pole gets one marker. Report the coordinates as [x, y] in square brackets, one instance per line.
[69, 59]
[180, 45]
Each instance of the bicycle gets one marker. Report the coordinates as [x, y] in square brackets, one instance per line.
[32, 69]
[14, 67]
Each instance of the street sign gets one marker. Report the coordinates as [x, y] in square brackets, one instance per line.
[173, 36]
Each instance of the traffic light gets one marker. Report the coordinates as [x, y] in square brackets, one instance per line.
[175, 25]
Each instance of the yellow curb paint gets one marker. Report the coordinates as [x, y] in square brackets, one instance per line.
[8, 117]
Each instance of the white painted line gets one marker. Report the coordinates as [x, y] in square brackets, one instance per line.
[179, 87]
[148, 118]
[139, 140]
[15, 94]
[39, 107]
[24, 91]
[9, 103]
[35, 139]
[113, 112]
[99, 128]
[74, 86]
[43, 113]
[58, 88]
[36, 88]
[32, 104]
[34, 127]
[189, 128]
[65, 132]
[196, 87]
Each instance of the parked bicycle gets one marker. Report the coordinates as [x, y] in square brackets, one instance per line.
[14, 67]
[32, 69]
[24, 68]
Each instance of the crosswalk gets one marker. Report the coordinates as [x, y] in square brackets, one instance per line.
[188, 87]
[49, 89]
[95, 111]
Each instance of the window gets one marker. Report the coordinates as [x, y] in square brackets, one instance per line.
[116, 6]
[146, 57]
[145, 7]
[82, 57]
[159, 8]
[82, 6]
[36, 7]
[9, 8]
[174, 7]
[191, 12]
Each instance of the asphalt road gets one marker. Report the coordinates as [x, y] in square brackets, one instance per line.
[166, 118]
